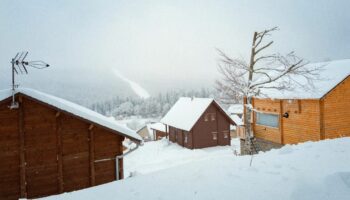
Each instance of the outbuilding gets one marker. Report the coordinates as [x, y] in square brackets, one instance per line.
[299, 115]
[198, 123]
[49, 146]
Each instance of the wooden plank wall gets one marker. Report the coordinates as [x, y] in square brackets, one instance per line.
[57, 151]
[265, 132]
[336, 117]
[9, 153]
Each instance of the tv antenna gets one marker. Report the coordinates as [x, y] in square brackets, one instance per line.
[19, 66]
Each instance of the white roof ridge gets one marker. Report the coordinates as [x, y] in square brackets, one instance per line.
[74, 109]
[186, 112]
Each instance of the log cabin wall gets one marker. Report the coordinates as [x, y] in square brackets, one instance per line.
[265, 132]
[302, 124]
[46, 152]
[336, 106]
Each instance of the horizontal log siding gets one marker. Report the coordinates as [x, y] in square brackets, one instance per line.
[336, 111]
[304, 125]
[265, 132]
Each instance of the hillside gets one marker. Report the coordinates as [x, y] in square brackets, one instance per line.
[312, 170]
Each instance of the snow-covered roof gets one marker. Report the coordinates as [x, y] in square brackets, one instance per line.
[237, 120]
[186, 112]
[235, 109]
[158, 126]
[74, 109]
[332, 73]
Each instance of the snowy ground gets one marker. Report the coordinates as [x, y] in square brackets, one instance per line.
[319, 170]
[157, 155]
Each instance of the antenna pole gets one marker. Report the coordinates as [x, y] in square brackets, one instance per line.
[13, 104]
[20, 63]
[13, 74]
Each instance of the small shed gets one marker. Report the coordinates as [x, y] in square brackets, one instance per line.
[49, 146]
[299, 115]
[152, 131]
[198, 123]
[159, 130]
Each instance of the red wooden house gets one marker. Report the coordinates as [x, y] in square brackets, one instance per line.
[198, 123]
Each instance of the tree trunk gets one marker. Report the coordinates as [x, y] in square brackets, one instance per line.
[248, 125]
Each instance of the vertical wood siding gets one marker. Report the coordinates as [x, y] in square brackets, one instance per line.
[61, 153]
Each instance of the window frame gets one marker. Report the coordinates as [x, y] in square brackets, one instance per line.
[265, 125]
[215, 135]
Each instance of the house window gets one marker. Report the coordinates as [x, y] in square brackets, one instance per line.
[225, 134]
[206, 117]
[267, 119]
[213, 116]
[186, 138]
[215, 135]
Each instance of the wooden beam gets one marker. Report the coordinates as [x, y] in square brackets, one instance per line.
[23, 183]
[281, 121]
[59, 153]
[322, 131]
[92, 155]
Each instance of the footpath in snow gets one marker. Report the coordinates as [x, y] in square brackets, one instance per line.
[312, 171]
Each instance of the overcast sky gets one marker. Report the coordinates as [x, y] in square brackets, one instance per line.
[166, 44]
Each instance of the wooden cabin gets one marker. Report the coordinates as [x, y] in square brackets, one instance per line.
[198, 123]
[50, 146]
[152, 131]
[290, 117]
[158, 130]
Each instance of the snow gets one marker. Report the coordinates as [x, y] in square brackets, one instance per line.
[162, 154]
[158, 126]
[137, 88]
[312, 170]
[237, 120]
[74, 109]
[333, 72]
[186, 112]
[235, 109]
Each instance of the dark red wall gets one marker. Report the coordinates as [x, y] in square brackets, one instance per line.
[201, 135]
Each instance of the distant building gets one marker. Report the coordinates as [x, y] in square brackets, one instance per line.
[158, 130]
[290, 117]
[152, 131]
[146, 133]
[198, 123]
[236, 113]
[50, 146]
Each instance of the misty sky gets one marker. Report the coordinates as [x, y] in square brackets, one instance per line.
[166, 44]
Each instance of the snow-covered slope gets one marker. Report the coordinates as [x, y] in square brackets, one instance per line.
[137, 88]
[313, 171]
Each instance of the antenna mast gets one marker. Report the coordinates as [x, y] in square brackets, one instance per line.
[19, 65]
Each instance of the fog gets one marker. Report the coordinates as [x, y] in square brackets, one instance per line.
[164, 44]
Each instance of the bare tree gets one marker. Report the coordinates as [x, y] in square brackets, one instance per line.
[263, 71]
